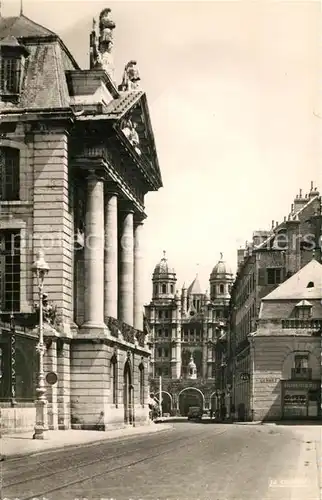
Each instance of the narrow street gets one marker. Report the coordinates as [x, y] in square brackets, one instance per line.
[191, 461]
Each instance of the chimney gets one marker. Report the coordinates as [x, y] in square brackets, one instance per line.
[240, 256]
[314, 191]
[299, 202]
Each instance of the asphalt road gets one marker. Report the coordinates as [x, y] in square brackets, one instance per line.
[192, 461]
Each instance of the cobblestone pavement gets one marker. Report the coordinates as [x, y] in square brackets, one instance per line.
[192, 461]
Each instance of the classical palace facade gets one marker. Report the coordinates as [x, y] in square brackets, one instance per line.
[77, 156]
[271, 258]
[188, 338]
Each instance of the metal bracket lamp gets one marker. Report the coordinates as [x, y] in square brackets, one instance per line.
[41, 269]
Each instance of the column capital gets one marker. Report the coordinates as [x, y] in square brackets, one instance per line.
[139, 219]
[126, 206]
[94, 174]
[112, 188]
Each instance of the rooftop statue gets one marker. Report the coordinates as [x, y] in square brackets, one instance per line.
[131, 77]
[102, 44]
[106, 27]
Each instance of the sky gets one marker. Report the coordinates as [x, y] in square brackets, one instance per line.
[235, 105]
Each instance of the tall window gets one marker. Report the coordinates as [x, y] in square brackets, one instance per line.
[9, 174]
[10, 271]
[114, 378]
[221, 288]
[164, 288]
[274, 276]
[301, 363]
[10, 74]
[142, 386]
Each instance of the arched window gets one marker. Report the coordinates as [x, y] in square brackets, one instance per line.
[310, 285]
[221, 288]
[114, 378]
[172, 288]
[9, 174]
[164, 288]
[142, 385]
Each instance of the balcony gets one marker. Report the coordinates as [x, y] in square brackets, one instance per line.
[307, 324]
[122, 330]
[302, 374]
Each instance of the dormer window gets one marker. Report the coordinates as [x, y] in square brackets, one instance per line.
[303, 310]
[12, 62]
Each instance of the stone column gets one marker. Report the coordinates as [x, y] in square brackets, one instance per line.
[94, 254]
[126, 268]
[137, 288]
[110, 256]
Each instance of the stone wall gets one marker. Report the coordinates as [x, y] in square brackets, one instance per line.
[273, 361]
[92, 405]
[53, 219]
[17, 419]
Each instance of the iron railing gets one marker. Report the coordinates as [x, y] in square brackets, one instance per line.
[307, 324]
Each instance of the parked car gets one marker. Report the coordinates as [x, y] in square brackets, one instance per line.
[195, 413]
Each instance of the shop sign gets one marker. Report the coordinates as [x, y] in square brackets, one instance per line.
[291, 384]
[295, 399]
[268, 380]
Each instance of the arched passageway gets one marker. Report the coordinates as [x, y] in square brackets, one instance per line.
[190, 396]
[167, 402]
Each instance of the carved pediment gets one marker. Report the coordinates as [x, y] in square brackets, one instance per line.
[135, 125]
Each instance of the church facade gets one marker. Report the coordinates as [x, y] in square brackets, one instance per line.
[77, 157]
[188, 339]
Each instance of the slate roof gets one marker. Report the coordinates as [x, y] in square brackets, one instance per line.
[45, 81]
[22, 27]
[195, 288]
[295, 287]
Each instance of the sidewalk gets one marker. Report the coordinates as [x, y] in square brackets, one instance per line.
[18, 445]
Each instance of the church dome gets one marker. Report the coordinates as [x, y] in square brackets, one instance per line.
[221, 270]
[163, 268]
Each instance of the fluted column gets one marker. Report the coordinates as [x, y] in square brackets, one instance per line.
[126, 268]
[94, 253]
[110, 256]
[137, 287]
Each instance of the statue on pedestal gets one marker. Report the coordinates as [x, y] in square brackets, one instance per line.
[101, 45]
[131, 77]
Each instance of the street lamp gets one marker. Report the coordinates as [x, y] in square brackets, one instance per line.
[40, 268]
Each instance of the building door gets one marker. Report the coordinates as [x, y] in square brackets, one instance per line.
[127, 394]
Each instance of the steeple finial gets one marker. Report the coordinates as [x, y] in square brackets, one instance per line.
[221, 256]
[164, 253]
[21, 7]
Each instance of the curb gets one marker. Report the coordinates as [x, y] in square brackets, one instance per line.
[70, 447]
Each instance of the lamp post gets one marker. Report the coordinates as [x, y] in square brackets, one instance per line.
[40, 268]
